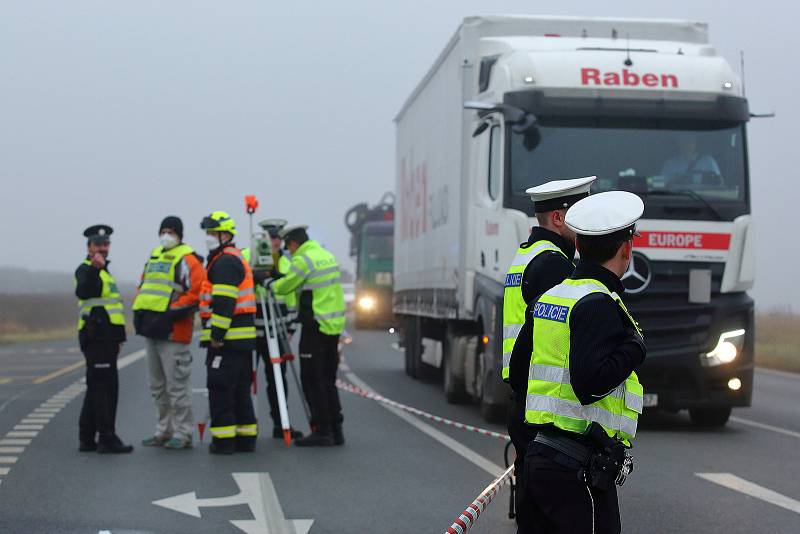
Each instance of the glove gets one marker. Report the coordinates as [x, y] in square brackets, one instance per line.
[268, 282]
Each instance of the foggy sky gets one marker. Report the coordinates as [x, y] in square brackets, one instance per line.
[124, 112]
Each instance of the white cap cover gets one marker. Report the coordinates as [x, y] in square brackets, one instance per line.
[286, 230]
[558, 194]
[605, 213]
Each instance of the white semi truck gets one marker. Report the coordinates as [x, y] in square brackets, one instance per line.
[647, 106]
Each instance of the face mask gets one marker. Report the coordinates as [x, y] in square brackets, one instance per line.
[168, 241]
[212, 243]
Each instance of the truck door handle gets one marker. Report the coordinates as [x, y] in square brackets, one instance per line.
[483, 259]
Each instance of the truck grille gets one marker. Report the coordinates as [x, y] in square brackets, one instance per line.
[669, 321]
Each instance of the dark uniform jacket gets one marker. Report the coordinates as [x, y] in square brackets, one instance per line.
[98, 327]
[604, 346]
[544, 272]
[229, 270]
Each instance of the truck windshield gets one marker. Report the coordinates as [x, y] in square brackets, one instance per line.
[377, 246]
[682, 169]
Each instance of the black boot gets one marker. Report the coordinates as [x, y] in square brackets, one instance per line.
[222, 446]
[316, 439]
[87, 445]
[338, 435]
[245, 444]
[113, 445]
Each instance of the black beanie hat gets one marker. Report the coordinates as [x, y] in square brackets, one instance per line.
[173, 223]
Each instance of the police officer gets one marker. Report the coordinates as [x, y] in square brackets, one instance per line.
[288, 307]
[101, 332]
[314, 272]
[541, 262]
[583, 396]
[164, 307]
[228, 307]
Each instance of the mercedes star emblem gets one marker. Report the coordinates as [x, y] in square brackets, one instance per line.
[639, 274]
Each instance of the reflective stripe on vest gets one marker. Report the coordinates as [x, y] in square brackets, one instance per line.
[513, 303]
[109, 299]
[158, 281]
[322, 278]
[551, 398]
[245, 297]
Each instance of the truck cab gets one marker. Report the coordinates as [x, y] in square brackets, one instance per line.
[648, 107]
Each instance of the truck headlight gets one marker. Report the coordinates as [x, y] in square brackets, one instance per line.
[728, 347]
[366, 303]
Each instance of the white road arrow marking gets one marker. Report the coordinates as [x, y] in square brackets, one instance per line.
[257, 491]
[753, 490]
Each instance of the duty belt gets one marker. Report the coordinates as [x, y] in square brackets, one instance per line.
[568, 447]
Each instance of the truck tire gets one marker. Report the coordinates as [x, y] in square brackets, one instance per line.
[413, 343]
[454, 388]
[709, 417]
[491, 412]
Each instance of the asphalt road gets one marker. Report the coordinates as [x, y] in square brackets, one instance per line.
[395, 473]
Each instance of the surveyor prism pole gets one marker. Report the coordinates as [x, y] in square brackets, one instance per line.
[289, 358]
[270, 319]
[251, 205]
[271, 327]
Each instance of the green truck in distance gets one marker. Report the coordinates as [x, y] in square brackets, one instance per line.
[372, 248]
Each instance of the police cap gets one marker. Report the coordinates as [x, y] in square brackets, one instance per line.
[605, 213]
[98, 234]
[288, 232]
[559, 194]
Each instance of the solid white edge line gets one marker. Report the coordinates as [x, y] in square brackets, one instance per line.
[131, 358]
[484, 463]
[741, 485]
[764, 426]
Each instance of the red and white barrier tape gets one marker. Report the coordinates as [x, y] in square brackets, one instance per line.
[341, 384]
[467, 519]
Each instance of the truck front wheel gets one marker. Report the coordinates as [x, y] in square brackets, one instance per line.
[709, 417]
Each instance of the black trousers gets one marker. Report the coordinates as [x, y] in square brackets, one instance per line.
[228, 381]
[520, 437]
[99, 410]
[319, 360]
[561, 503]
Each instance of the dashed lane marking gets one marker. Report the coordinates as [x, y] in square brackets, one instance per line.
[763, 426]
[35, 421]
[13, 441]
[22, 434]
[455, 446]
[741, 485]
